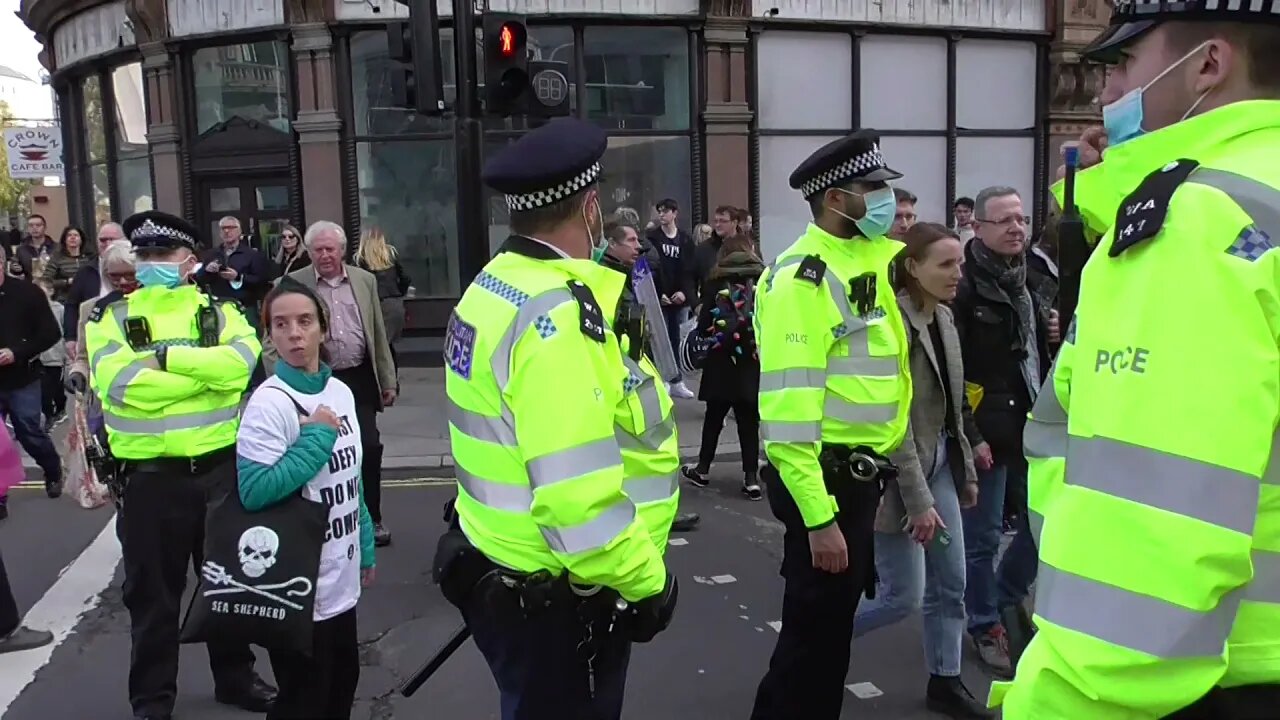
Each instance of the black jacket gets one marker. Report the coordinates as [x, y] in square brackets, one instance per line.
[724, 378]
[678, 264]
[252, 266]
[284, 265]
[993, 354]
[705, 259]
[29, 329]
[393, 282]
[86, 284]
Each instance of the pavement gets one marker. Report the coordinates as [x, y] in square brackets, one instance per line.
[63, 564]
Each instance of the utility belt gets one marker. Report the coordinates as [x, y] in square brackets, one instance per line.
[1246, 702]
[860, 463]
[188, 466]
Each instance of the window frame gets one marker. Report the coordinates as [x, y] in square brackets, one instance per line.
[952, 133]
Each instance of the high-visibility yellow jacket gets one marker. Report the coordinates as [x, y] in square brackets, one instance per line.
[535, 379]
[190, 408]
[1151, 452]
[827, 373]
[647, 436]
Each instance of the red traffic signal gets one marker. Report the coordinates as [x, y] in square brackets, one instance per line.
[510, 39]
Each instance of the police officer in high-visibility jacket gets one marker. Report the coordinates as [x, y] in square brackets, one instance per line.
[834, 394]
[554, 570]
[170, 365]
[1154, 479]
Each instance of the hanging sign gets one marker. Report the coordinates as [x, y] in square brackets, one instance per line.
[33, 152]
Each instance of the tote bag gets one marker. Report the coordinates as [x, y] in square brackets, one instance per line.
[258, 580]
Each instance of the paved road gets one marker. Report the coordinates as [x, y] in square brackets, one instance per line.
[704, 668]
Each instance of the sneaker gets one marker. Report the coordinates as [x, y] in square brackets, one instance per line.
[751, 488]
[24, 638]
[695, 476]
[993, 650]
[949, 696]
[60, 418]
[381, 535]
[680, 390]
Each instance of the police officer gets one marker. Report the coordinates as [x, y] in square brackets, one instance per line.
[555, 571]
[170, 365]
[834, 394]
[1152, 450]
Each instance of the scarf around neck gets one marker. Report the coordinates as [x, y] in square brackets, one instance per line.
[1010, 276]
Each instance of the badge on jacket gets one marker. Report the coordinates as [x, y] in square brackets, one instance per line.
[592, 318]
[1141, 216]
[812, 269]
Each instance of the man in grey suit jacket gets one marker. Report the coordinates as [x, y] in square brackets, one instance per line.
[357, 344]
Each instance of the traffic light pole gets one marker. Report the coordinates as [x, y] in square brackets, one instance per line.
[473, 226]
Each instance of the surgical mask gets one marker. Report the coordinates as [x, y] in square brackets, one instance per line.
[599, 243]
[159, 274]
[1123, 118]
[882, 206]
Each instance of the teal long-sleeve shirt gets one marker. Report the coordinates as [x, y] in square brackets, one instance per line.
[262, 485]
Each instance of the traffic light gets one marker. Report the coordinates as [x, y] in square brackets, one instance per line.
[414, 48]
[506, 64]
[549, 88]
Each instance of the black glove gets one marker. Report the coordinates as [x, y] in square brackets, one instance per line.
[75, 383]
[653, 614]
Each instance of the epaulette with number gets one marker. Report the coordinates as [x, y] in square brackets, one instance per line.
[812, 269]
[104, 302]
[592, 318]
[1142, 214]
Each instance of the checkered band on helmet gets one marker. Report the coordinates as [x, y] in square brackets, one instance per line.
[1138, 9]
[149, 229]
[856, 166]
[542, 198]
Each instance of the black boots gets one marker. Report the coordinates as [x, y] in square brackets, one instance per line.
[949, 696]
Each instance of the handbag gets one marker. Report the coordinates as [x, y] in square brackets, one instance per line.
[258, 579]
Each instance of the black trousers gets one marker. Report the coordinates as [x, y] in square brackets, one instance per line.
[161, 535]
[364, 387]
[540, 672]
[323, 686]
[747, 416]
[9, 617]
[52, 394]
[807, 670]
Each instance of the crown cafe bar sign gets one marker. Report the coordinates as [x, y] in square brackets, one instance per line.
[33, 152]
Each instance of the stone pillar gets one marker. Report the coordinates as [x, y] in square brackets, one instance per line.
[727, 114]
[1074, 83]
[318, 123]
[164, 133]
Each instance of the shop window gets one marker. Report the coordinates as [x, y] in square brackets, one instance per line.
[903, 81]
[129, 96]
[787, 98]
[95, 129]
[782, 210]
[248, 80]
[983, 162]
[408, 189]
[133, 186]
[923, 164]
[100, 190]
[637, 78]
[995, 85]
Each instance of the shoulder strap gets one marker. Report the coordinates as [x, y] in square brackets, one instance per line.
[302, 412]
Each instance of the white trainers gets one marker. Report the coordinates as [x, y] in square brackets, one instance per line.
[680, 390]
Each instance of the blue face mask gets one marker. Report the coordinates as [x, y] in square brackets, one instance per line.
[882, 206]
[1123, 119]
[159, 274]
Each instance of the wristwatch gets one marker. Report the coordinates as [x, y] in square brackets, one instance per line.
[162, 356]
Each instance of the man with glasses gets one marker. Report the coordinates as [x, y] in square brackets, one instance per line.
[1005, 337]
[235, 271]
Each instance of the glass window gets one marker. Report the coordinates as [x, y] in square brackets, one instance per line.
[894, 67]
[995, 84]
[130, 110]
[787, 97]
[100, 193]
[371, 88]
[546, 42]
[637, 77]
[923, 164]
[408, 189]
[249, 80]
[133, 181]
[984, 162]
[784, 214]
[95, 132]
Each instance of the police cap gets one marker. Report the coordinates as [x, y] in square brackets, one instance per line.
[854, 157]
[547, 165]
[1131, 18]
[155, 229]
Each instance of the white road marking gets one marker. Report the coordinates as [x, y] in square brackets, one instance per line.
[776, 625]
[864, 690]
[75, 592]
[723, 579]
[677, 541]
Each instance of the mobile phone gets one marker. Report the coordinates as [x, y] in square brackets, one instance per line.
[942, 538]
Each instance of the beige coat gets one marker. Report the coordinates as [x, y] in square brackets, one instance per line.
[909, 495]
[378, 348]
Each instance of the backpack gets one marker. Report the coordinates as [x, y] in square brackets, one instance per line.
[731, 327]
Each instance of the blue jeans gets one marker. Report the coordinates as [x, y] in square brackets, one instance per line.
[928, 578]
[25, 407]
[675, 317]
[982, 531]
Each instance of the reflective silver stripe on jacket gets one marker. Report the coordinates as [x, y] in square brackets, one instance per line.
[593, 534]
[1045, 435]
[161, 425]
[793, 379]
[1260, 201]
[839, 408]
[651, 489]
[791, 432]
[1210, 493]
[245, 351]
[573, 462]
[495, 495]
[1036, 521]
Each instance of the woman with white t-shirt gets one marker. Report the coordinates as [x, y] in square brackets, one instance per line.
[280, 450]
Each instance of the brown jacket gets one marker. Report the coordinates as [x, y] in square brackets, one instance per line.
[909, 495]
[378, 348]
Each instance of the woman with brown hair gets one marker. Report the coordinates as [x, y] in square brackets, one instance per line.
[919, 543]
[731, 375]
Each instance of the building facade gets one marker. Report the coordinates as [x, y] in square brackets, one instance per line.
[278, 111]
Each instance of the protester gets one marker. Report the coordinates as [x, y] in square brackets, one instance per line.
[52, 363]
[678, 287]
[381, 258]
[66, 261]
[278, 453]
